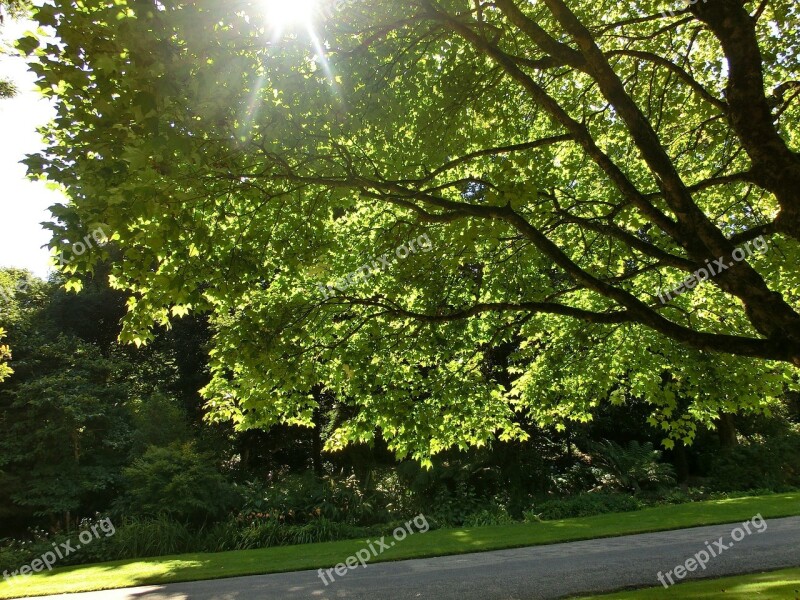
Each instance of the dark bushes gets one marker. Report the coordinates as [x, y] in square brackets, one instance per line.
[176, 481]
[760, 463]
[583, 505]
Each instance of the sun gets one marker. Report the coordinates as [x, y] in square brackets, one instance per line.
[282, 14]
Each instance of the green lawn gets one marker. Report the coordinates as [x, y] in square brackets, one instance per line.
[191, 567]
[777, 585]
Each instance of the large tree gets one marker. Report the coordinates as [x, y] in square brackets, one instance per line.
[561, 166]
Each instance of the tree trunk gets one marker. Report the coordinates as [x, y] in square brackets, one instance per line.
[316, 436]
[726, 430]
[681, 463]
[316, 446]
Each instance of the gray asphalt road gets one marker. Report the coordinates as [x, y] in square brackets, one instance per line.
[543, 572]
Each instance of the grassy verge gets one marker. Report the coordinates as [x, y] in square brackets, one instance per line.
[193, 567]
[777, 585]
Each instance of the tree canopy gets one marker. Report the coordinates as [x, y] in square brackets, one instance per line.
[570, 164]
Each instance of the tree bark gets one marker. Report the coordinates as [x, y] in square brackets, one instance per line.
[681, 463]
[316, 445]
[726, 431]
[775, 167]
[316, 435]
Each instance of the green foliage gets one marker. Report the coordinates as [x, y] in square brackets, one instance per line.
[234, 176]
[5, 355]
[132, 539]
[451, 509]
[140, 537]
[578, 477]
[77, 407]
[21, 294]
[176, 481]
[306, 498]
[159, 536]
[15, 553]
[764, 463]
[493, 515]
[153, 536]
[158, 421]
[582, 505]
[65, 427]
[453, 489]
[15, 8]
[631, 468]
[269, 532]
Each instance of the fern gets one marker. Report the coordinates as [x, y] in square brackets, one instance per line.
[631, 467]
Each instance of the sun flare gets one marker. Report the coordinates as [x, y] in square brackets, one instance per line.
[290, 13]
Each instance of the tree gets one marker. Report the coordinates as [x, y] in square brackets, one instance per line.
[178, 481]
[5, 354]
[65, 430]
[13, 284]
[374, 207]
[77, 408]
[13, 9]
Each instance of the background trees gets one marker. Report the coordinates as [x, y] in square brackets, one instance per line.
[5, 354]
[91, 426]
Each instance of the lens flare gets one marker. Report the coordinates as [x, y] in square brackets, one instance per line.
[283, 14]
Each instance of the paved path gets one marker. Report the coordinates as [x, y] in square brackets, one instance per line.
[543, 572]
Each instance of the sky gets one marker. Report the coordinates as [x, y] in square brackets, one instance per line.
[23, 203]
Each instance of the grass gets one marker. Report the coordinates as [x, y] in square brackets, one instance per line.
[777, 585]
[194, 567]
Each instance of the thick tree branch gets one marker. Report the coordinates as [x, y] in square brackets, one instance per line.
[775, 167]
[770, 314]
[695, 85]
[498, 307]
[632, 241]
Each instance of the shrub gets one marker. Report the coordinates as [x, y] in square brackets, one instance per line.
[631, 468]
[178, 482]
[264, 533]
[771, 463]
[14, 554]
[17, 553]
[305, 498]
[452, 509]
[158, 536]
[582, 505]
[574, 479]
[493, 515]
[453, 489]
